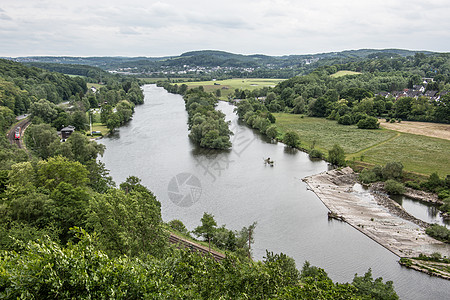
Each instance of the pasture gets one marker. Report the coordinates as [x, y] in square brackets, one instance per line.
[418, 153]
[344, 73]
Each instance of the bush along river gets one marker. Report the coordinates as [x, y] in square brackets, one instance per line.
[239, 189]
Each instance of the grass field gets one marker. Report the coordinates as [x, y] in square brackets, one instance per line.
[343, 73]
[228, 86]
[100, 127]
[418, 153]
[96, 85]
[326, 133]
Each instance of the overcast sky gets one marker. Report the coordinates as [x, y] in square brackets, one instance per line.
[171, 27]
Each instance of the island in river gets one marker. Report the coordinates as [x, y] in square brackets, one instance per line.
[375, 216]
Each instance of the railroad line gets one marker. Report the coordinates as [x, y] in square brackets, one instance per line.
[185, 244]
[23, 124]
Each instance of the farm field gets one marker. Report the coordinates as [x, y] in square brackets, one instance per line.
[228, 86]
[437, 130]
[418, 153]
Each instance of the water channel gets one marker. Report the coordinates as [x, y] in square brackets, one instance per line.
[238, 189]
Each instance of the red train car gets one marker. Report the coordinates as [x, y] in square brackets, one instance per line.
[17, 133]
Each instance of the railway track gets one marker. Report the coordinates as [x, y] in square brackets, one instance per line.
[23, 124]
[185, 244]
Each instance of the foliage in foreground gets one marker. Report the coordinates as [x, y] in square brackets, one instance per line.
[79, 271]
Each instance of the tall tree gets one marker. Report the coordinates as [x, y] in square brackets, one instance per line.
[336, 156]
[207, 229]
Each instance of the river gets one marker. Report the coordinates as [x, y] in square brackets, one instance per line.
[239, 189]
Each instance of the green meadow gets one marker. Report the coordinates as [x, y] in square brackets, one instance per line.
[228, 86]
[344, 73]
[420, 154]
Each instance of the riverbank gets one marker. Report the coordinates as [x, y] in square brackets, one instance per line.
[374, 216]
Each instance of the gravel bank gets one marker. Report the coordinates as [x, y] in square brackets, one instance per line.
[375, 215]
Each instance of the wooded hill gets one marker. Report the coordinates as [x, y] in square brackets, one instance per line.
[237, 65]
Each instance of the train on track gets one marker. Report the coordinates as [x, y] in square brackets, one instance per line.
[17, 133]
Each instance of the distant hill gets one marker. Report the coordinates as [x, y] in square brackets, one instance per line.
[210, 58]
[209, 64]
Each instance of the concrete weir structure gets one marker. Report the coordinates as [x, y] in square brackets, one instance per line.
[374, 218]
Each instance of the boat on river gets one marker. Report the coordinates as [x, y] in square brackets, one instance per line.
[269, 162]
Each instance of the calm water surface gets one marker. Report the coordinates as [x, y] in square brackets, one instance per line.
[238, 189]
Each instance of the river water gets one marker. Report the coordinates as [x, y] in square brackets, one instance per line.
[239, 189]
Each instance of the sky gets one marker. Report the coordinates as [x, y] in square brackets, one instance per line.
[171, 27]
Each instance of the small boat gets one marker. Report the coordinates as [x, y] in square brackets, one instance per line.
[268, 161]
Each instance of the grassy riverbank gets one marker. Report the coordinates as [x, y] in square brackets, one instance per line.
[418, 153]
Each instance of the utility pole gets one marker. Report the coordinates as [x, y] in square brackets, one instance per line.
[249, 241]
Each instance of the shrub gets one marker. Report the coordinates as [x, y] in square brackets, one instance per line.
[446, 206]
[413, 185]
[314, 153]
[368, 176]
[178, 226]
[394, 187]
[439, 232]
[444, 194]
[368, 123]
[346, 120]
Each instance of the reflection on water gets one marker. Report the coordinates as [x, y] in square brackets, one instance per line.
[425, 211]
[238, 189]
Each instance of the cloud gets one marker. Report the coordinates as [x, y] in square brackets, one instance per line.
[4, 15]
[138, 27]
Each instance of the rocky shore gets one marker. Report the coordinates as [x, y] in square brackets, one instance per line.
[374, 214]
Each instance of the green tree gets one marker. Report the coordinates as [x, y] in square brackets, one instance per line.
[45, 110]
[392, 170]
[79, 120]
[42, 139]
[272, 131]
[442, 112]
[178, 226]
[245, 239]
[207, 229]
[52, 172]
[291, 139]
[70, 208]
[318, 107]
[6, 118]
[128, 223]
[375, 289]
[113, 122]
[336, 156]
[79, 148]
[403, 107]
